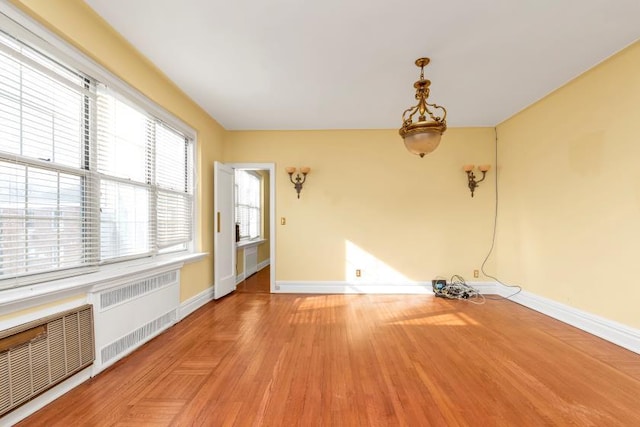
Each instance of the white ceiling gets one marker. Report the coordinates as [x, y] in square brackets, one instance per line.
[348, 64]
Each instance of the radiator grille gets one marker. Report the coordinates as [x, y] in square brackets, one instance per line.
[250, 261]
[136, 289]
[141, 334]
[5, 402]
[29, 368]
[131, 312]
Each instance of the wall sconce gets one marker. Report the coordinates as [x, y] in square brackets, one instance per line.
[297, 184]
[473, 184]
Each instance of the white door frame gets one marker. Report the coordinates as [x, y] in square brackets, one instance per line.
[271, 167]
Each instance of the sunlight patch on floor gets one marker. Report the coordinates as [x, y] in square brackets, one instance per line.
[449, 319]
[320, 301]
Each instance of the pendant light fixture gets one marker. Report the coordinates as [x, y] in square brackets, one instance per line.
[422, 136]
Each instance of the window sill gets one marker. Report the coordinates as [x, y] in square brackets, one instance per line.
[249, 243]
[42, 293]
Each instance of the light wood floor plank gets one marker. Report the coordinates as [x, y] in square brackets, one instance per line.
[361, 360]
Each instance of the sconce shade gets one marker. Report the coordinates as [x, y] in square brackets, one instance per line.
[422, 136]
[305, 170]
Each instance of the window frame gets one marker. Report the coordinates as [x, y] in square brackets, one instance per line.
[260, 208]
[26, 29]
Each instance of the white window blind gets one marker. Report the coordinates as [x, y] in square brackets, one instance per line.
[174, 180]
[45, 191]
[124, 162]
[88, 173]
[248, 204]
[146, 180]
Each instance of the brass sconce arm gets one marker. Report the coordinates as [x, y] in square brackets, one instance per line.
[472, 182]
[299, 180]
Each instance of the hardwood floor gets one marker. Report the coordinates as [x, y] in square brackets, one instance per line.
[256, 283]
[380, 360]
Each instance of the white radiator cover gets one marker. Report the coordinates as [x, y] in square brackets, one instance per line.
[250, 260]
[132, 311]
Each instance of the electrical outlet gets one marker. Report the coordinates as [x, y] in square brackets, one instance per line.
[358, 273]
[283, 221]
[476, 274]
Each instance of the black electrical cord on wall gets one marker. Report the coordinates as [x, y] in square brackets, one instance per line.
[495, 224]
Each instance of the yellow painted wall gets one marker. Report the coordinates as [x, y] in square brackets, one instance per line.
[569, 185]
[369, 204]
[77, 23]
[569, 191]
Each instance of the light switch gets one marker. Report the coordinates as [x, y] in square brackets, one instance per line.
[283, 221]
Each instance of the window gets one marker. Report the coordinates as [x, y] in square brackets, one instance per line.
[248, 204]
[86, 175]
[43, 170]
[145, 181]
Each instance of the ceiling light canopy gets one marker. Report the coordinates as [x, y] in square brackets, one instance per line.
[422, 136]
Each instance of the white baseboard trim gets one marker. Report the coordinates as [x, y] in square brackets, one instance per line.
[195, 302]
[337, 287]
[45, 398]
[614, 332]
[483, 287]
[344, 287]
[240, 277]
[264, 264]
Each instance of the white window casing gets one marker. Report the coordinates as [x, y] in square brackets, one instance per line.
[91, 171]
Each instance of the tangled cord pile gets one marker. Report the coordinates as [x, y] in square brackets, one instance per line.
[458, 289]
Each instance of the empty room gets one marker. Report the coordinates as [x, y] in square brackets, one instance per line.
[410, 213]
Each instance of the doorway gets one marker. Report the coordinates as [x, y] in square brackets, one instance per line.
[255, 271]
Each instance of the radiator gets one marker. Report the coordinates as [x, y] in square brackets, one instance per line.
[131, 313]
[37, 355]
[250, 261]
